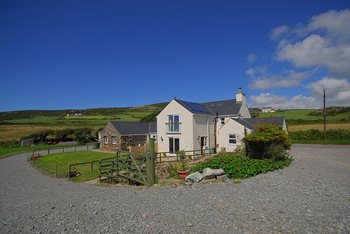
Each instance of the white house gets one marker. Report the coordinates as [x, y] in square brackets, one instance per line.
[230, 135]
[183, 125]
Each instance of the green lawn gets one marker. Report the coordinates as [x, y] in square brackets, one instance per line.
[49, 163]
[8, 151]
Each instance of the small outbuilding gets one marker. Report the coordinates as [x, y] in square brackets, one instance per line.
[118, 135]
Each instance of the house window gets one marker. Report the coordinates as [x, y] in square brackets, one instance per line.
[222, 120]
[232, 139]
[173, 123]
[114, 140]
[174, 144]
[105, 140]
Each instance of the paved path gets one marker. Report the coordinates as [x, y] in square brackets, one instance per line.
[311, 196]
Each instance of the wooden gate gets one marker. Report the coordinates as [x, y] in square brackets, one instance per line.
[135, 167]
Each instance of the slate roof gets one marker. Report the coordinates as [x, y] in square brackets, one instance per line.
[251, 123]
[226, 107]
[135, 128]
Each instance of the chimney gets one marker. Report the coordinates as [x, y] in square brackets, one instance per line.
[240, 96]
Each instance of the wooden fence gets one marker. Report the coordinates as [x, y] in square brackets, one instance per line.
[189, 155]
[133, 167]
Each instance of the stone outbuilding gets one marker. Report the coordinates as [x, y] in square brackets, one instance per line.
[118, 135]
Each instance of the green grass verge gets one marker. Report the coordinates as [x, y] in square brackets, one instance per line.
[57, 164]
[332, 136]
[10, 151]
[239, 167]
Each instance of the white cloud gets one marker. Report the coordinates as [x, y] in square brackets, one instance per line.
[337, 94]
[276, 33]
[291, 79]
[324, 42]
[337, 91]
[251, 58]
[334, 23]
[282, 102]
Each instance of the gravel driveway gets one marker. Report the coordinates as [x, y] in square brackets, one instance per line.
[311, 196]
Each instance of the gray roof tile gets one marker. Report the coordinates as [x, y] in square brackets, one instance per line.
[251, 123]
[135, 128]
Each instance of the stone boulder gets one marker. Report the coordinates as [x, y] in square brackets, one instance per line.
[222, 178]
[208, 173]
[218, 172]
[194, 177]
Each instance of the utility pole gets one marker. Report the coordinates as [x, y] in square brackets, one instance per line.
[324, 110]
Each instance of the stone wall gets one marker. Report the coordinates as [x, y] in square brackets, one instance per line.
[110, 131]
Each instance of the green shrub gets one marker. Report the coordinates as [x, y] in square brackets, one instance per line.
[238, 167]
[332, 136]
[267, 142]
[84, 135]
[62, 135]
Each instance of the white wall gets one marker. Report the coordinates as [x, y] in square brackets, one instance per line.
[231, 127]
[203, 126]
[186, 127]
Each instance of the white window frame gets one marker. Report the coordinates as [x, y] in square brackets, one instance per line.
[171, 128]
[105, 140]
[114, 140]
[232, 136]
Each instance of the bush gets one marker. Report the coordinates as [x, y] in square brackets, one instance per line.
[332, 136]
[239, 167]
[267, 142]
[62, 135]
[39, 137]
[84, 135]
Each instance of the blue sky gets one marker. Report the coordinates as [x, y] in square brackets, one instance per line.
[85, 54]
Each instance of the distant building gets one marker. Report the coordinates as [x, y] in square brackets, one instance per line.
[267, 110]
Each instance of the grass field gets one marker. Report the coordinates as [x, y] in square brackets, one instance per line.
[304, 117]
[303, 127]
[49, 163]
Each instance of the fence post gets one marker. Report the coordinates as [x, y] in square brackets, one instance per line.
[63, 149]
[87, 147]
[150, 162]
[92, 167]
[75, 148]
[68, 171]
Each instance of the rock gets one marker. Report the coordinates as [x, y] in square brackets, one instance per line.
[189, 225]
[222, 178]
[208, 173]
[218, 172]
[194, 177]
[209, 181]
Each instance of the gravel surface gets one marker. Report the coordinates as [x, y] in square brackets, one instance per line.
[310, 196]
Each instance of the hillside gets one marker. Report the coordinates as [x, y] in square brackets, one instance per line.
[312, 116]
[90, 117]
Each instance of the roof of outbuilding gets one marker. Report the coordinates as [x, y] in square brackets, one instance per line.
[135, 128]
[226, 107]
[251, 123]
